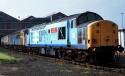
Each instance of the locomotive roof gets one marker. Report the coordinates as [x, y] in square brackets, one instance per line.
[88, 13]
[75, 16]
[63, 19]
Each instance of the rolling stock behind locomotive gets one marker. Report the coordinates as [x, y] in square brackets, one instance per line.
[82, 37]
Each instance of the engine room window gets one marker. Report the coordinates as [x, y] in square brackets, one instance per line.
[40, 35]
[49, 31]
[79, 36]
[62, 33]
[84, 33]
[72, 24]
[31, 37]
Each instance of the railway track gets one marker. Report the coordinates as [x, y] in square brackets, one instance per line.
[113, 67]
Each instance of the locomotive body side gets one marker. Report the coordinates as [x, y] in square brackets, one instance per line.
[66, 33]
[5, 40]
[54, 35]
[20, 38]
[83, 37]
[14, 40]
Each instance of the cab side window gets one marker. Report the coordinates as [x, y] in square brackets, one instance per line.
[62, 33]
[72, 24]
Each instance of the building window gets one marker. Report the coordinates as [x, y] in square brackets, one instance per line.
[62, 33]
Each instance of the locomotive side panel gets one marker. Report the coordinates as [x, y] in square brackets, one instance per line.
[4, 40]
[12, 39]
[58, 34]
[51, 35]
[73, 38]
[18, 38]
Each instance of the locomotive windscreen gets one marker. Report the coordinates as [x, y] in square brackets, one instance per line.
[87, 16]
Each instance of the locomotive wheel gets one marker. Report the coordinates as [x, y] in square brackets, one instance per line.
[57, 53]
[81, 56]
[69, 55]
[84, 56]
[117, 56]
[41, 51]
[92, 60]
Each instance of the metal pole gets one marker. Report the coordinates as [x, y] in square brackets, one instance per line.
[121, 28]
[120, 37]
[122, 20]
[122, 14]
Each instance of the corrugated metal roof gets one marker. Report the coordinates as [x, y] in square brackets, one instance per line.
[7, 18]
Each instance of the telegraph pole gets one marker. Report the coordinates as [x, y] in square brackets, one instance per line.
[121, 28]
[122, 20]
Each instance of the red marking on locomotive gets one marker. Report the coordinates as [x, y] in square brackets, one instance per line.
[53, 30]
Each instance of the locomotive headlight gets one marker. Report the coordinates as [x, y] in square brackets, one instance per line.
[116, 41]
[94, 49]
[94, 40]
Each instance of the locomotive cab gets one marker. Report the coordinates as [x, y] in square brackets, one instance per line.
[102, 39]
[102, 33]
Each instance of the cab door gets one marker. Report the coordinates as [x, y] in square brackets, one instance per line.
[81, 38]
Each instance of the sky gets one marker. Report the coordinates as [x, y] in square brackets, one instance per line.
[108, 9]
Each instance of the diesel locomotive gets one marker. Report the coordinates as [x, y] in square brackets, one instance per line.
[83, 37]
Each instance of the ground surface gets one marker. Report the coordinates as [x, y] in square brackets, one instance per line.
[45, 66]
[5, 57]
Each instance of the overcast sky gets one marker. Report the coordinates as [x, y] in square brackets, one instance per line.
[108, 9]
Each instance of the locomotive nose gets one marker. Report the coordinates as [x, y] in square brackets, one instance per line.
[103, 32]
[107, 38]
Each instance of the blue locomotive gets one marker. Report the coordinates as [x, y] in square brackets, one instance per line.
[82, 37]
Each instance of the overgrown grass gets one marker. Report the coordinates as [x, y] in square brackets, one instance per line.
[6, 57]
